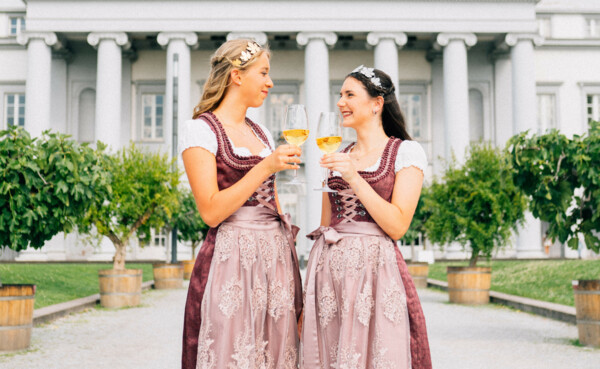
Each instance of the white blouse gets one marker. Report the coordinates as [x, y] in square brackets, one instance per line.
[197, 133]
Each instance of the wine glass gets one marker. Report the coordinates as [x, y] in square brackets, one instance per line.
[329, 139]
[295, 130]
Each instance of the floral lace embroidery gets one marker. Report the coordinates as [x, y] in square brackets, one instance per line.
[322, 258]
[281, 243]
[348, 359]
[354, 257]
[230, 297]
[267, 251]
[373, 254]
[259, 297]
[206, 356]
[379, 351]
[394, 303]
[224, 243]
[346, 303]
[277, 299]
[336, 262]
[365, 304]
[291, 291]
[247, 251]
[333, 355]
[243, 351]
[290, 358]
[327, 306]
[263, 358]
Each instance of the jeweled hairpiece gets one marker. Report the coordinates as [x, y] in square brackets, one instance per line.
[369, 73]
[251, 49]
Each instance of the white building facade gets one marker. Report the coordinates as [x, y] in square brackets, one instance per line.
[468, 70]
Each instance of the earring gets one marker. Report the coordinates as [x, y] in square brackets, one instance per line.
[375, 111]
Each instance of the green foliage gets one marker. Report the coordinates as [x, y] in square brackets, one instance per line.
[417, 225]
[143, 196]
[476, 203]
[46, 184]
[562, 178]
[189, 223]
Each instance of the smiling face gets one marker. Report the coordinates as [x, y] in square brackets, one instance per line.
[256, 82]
[355, 103]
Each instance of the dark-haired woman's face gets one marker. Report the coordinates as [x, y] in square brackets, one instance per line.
[355, 103]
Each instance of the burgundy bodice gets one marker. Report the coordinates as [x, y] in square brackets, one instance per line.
[232, 167]
[345, 206]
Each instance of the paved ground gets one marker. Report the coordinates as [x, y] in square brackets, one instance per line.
[149, 337]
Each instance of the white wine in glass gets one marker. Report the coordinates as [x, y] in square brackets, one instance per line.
[295, 130]
[329, 139]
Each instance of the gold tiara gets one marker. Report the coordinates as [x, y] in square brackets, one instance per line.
[251, 49]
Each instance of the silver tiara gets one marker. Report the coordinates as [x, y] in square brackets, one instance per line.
[369, 73]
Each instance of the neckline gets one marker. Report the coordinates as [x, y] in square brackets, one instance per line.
[231, 145]
[380, 158]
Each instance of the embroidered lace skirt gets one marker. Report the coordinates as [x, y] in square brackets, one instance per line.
[248, 316]
[357, 300]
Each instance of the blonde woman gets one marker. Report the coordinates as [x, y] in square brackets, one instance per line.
[245, 293]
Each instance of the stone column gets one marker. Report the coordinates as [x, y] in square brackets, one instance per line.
[456, 91]
[316, 85]
[529, 237]
[177, 44]
[37, 88]
[386, 52]
[108, 85]
[256, 114]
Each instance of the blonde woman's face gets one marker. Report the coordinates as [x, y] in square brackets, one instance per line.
[256, 82]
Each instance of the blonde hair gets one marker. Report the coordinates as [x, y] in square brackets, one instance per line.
[224, 60]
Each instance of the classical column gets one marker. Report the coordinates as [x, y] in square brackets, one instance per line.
[386, 52]
[108, 85]
[256, 114]
[456, 91]
[316, 85]
[529, 237]
[178, 65]
[37, 87]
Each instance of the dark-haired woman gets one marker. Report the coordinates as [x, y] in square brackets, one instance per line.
[361, 308]
[245, 293]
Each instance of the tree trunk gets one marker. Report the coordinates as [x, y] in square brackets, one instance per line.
[119, 259]
[473, 260]
[194, 245]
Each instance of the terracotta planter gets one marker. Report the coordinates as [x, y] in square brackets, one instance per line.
[16, 316]
[168, 276]
[119, 288]
[418, 272]
[469, 285]
[188, 266]
[587, 307]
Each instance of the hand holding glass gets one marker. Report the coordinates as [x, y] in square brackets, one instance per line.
[329, 139]
[295, 130]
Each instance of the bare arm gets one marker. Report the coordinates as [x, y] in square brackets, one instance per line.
[393, 217]
[214, 205]
[325, 211]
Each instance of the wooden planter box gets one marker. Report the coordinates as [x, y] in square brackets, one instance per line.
[587, 308]
[188, 266]
[120, 288]
[16, 316]
[419, 272]
[469, 285]
[168, 276]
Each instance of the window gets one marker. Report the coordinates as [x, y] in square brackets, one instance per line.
[593, 107]
[159, 237]
[411, 105]
[17, 25]
[14, 109]
[544, 27]
[592, 27]
[152, 108]
[546, 117]
[280, 96]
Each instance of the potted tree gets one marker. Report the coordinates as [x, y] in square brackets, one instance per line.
[190, 228]
[561, 177]
[46, 183]
[478, 205]
[142, 183]
[418, 267]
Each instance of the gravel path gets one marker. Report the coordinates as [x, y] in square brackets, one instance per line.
[150, 337]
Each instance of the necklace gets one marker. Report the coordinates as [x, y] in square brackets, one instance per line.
[366, 155]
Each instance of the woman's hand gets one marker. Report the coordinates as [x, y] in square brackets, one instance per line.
[340, 162]
[284, 157]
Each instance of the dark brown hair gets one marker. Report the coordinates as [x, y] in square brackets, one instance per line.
[391, 115]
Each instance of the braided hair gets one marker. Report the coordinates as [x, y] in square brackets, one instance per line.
[391, 115]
